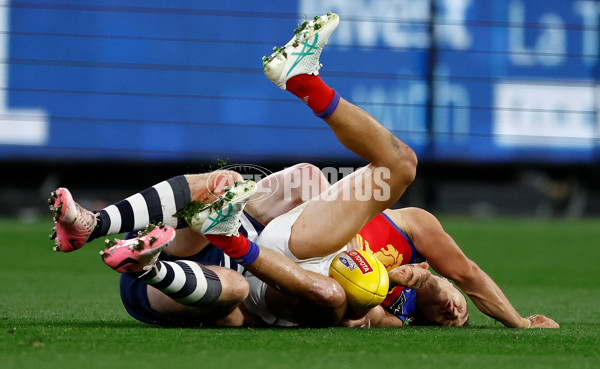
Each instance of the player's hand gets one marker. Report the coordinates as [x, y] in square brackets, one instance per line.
[410, 275]
[540, 321]
[364, 322]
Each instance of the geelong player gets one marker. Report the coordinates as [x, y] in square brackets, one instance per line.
[311, 233]
[197, 283]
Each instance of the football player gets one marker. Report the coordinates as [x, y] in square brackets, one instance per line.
[198, 284]
[300, 292]
[312, 233]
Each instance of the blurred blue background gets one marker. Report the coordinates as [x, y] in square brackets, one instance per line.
[501, 89]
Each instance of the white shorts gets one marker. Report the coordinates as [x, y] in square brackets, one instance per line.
[276, 236]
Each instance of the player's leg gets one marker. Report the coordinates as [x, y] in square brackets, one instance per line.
[183, 290]
[318, 294]
[76, 225]
[345, 207]
[275, 194]
[357, 198]
[297, 295]
[221, 311]
[282, 191]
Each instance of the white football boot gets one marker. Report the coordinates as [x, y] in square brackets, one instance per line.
[301, 54]
[222, 217]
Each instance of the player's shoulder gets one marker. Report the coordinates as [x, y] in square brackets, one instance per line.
[411, 218]
[403, 215]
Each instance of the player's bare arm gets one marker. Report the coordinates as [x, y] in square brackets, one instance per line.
[376, 317]
[446, 258]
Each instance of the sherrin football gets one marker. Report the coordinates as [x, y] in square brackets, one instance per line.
[363, 277]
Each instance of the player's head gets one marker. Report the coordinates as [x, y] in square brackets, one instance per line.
[441, 304]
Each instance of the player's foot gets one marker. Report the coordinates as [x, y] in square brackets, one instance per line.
[223, 216]
[138, 254]
[73, 224]
[301, 54]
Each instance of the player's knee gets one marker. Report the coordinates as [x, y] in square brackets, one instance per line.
[235, 288]
[306, 181]
[410, 166]
[301, 166]
[404, 167]
[308, 170]
[240, 289]
[219, 179]
[207, 186]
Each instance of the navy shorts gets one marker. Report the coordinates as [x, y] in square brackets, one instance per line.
[134, 293]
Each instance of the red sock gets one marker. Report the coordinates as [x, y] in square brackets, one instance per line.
[235, 247]
[312, 90]
[239, 248]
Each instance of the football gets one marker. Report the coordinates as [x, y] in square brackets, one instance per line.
[363, 277]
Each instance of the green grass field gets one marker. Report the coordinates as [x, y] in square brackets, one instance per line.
[64, 311]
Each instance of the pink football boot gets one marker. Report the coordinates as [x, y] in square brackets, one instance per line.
[138, 254]
[74, 224]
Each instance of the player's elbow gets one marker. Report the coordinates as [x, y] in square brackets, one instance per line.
[331, 299]
[331, 295]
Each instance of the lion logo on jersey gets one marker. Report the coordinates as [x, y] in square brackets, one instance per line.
[388, 255]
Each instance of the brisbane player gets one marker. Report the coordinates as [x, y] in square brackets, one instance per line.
[313, 233]
[288, 281]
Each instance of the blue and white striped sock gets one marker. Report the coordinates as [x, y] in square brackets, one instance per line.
[152, 205]
[185, 281]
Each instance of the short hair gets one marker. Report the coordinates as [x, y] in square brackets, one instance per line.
[418, 319]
